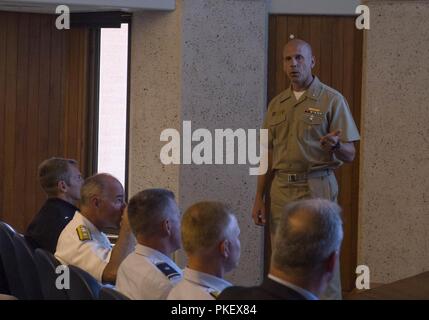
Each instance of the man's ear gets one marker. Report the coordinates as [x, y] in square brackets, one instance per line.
[313, 61]
[95, 201]
[224, 248]
[166, 226]
[331, 262]
[62, 186]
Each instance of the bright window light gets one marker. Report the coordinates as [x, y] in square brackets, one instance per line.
[113, 102]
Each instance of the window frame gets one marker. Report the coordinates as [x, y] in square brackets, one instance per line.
[96, 21]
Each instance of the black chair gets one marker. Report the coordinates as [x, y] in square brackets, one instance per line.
[83, 286]
[46, 265]
[107, 293]
[4, 286]
[10, 262]
[27, 268]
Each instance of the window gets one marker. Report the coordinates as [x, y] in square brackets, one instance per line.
[113, 90]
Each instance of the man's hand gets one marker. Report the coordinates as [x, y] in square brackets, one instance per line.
[258, 212]
[125, 223]
[123, 247]
[330, 140]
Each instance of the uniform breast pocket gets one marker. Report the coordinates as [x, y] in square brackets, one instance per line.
[279, 127]
[311, 120]
[311, 126]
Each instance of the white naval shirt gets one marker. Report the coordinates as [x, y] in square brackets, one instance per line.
[91, 254]
[147, 274]
[197, 286]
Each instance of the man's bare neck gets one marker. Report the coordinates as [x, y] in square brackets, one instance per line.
[302, 86]
[65, 198]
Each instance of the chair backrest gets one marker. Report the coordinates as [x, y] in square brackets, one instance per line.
[108, 293]
[4, 286]
[46, 265]
[9, 261]
[27, 268]
[83, 286]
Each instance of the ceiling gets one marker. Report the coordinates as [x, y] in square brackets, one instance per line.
[49, 6]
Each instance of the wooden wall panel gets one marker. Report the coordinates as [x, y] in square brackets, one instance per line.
[3, 36]
[337, 47]
[43, 106]
[34, 69]
[42, 113]
[9, 192]
[21, 125]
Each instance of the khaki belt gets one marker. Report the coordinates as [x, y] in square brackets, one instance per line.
[304, 176]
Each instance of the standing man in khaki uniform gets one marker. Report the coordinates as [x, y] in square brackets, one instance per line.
[310, 133]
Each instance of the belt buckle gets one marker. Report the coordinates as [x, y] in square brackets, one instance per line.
[291, 177]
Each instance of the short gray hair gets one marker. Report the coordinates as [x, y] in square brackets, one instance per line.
[94, 185]
[204, 224]
[147, 209]
[308, 233]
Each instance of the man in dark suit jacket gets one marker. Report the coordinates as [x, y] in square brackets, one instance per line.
[61, 180]
[268, 290]
[306, 248]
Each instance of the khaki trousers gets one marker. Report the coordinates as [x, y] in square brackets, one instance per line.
[283, 192]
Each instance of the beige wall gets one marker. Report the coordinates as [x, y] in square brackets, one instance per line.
[155, 96]
[204, 62]
[328, 7]
[394, 191]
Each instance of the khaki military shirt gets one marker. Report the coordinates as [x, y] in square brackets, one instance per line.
[296, 126]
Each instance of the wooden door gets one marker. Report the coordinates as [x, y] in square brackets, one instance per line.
[337, 47]
[44, 106]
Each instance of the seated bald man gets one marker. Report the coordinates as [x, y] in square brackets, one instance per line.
[305, 257]
[83, 244]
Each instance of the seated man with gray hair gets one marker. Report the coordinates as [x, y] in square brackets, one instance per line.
[306, 249]
[210, 237]
[82, 242]
[148, 272]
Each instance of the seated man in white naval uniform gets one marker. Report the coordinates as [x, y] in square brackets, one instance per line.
[148, 272]
[82, 244]
[210, 237]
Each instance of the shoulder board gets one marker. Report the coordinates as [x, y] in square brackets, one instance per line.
[83, 233]
[168, 271]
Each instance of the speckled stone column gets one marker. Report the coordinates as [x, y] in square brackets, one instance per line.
[155, 96]
[394, 194]
[206, 63]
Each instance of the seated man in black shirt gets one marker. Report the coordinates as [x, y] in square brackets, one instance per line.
[61, 180]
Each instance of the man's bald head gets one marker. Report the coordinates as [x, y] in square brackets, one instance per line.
[299, 43]
[102, 200]
[308, 233]
[298, 62]
[96, 185]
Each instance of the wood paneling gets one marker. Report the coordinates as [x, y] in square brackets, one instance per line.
[3, 34]
[43, 106]
[337, 47]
